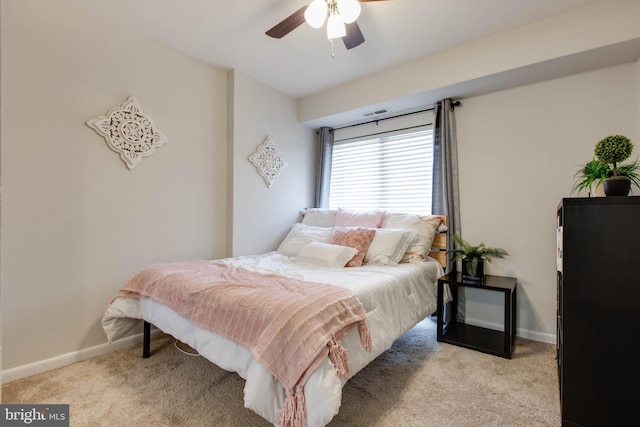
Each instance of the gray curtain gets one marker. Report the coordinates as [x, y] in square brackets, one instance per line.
[446, 197]
[323, 178]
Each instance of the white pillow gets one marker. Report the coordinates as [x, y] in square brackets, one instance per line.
[425, 225]
[326, 255]
[319, 217]
[388, 246]
[301, 235]
[368, 219]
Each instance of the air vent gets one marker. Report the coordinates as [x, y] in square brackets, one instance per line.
[376, 112]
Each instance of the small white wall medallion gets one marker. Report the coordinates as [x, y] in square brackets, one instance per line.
[267, 161]
[129, 132]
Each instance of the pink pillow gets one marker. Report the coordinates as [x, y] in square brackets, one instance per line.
[359, 238]
[347, 218]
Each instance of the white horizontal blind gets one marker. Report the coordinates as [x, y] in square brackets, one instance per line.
[393, 173]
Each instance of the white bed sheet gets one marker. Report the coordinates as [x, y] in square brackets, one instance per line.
[394, 297]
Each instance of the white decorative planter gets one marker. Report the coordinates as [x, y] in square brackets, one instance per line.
[129, 132]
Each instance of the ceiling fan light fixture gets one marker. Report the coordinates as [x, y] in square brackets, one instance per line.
[335, 27]
[349, 10]
[340, 15]
[316, 13]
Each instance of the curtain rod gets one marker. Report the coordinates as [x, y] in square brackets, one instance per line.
[384, 118]
[453, 104]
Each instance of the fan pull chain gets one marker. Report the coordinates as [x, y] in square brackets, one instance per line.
[333, 55]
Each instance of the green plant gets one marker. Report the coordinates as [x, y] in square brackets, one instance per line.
[473, 254]
[630, 170]
[614, 149]
[596, 171]
[593, 171]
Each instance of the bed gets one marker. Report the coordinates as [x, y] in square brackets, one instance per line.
[382, 266]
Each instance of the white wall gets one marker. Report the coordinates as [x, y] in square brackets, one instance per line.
[76, 223]
[637, 92]
[262, 215]
[518, 152]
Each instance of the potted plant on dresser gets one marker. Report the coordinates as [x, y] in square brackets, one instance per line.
[473, 258]
[591, 176]
[612, 150]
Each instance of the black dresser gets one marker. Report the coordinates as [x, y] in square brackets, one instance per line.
[598, 307]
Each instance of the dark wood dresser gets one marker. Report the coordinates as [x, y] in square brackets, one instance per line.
[598, 295]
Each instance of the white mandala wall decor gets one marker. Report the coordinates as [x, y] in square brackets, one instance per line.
[268, 161]
[129, 132]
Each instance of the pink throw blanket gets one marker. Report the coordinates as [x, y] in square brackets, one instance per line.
[288, 324]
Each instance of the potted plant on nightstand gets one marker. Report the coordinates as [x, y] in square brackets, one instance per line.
[612, 150]
[473, 258]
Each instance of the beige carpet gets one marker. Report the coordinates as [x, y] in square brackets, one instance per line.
[418, 382]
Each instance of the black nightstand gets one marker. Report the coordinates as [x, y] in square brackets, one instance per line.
[498, 343]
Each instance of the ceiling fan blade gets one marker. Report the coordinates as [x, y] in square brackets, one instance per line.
[288, 24]
[354, 36]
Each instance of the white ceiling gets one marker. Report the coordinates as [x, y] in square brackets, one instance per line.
[231, 34]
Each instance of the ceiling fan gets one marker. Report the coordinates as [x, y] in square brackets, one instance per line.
[340, 15]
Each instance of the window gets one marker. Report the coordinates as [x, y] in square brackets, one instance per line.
[390, 170]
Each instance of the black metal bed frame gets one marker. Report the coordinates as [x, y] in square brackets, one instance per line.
[146, 341]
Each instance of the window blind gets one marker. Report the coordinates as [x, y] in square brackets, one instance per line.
[390, 172]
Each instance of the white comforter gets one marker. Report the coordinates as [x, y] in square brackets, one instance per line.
[394, 297]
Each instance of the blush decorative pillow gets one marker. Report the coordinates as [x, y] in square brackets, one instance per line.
[301, 235]
[424, 225]
[348, 218]
[358, 238]
[325, 255]
[388, 246]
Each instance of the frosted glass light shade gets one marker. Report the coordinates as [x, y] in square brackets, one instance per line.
[349, 10]
[316, 13]
[335, 27]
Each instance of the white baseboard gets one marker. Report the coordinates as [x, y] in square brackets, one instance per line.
[524, 333]
[537, 336]
[41, 366]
